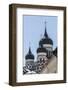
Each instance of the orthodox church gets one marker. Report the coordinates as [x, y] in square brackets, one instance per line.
[46, 61]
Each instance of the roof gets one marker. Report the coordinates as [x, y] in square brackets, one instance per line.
[55, 52]
[29, 55]
[46, 39]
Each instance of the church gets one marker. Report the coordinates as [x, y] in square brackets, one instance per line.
[46, 61]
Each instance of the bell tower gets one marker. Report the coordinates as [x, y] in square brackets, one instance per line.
[29, 60]
[47, 43]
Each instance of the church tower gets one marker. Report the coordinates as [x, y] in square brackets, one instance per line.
[29, 60]
[41, 58]
[41, 54]
[47, 43]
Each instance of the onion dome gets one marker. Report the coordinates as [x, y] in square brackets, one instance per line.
[46, 39]
[29, 55]
[41, 50]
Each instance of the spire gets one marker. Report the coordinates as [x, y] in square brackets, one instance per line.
[29, 51]
[45, 34]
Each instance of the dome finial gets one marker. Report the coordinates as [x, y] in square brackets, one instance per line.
[29, 49]
[45, 34]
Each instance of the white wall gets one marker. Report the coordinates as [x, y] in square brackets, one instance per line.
[4, 47]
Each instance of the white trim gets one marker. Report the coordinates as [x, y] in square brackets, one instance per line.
[42, 54]
[39, 77]
[47, 45]
[29, 60]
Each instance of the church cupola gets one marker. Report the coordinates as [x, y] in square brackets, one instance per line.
[29, 60]
[45, 39]
[47, 43]
[29, 55]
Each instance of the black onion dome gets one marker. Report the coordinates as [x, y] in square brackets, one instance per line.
[46, 39]
[41, 49]
[29, 55]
